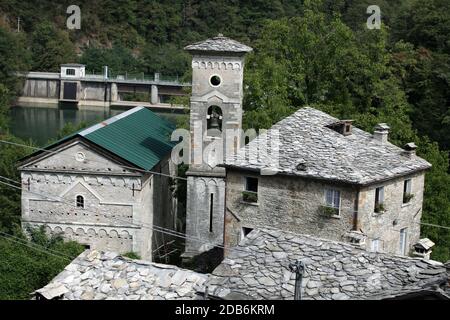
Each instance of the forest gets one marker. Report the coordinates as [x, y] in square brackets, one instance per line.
[316, 53]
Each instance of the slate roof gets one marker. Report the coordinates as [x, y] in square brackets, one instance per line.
[138, 136]
[259, 269]
[308, 148]
[219, 44]
[95, 275]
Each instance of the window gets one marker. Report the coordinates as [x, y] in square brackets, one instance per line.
[348, 129]
[379, 200]
[214, 120]
[403, 239]
[250, 193]
[375, 245]
[333, 200]
[80, 202]
[211, 212]
[70, 72]
[215, 81]
[407, 195]
[246, 231]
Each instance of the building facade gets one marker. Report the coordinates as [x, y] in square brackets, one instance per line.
[94, 186]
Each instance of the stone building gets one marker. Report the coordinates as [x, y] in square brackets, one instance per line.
[314, 174]
[216, 107]
[95, 186]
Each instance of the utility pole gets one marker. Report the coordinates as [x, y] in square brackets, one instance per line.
[299, 268]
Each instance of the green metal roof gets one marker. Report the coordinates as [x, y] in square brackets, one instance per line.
[138, 136]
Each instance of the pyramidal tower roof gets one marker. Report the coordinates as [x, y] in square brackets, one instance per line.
[219, 44]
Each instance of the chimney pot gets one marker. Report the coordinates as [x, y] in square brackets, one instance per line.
[381, 132]
[410, 149]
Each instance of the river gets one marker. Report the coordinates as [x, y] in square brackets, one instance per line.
[41, 124]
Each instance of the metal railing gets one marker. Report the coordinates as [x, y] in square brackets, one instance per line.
[135, 77]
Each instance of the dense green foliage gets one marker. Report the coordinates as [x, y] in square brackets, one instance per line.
[27, 265]
[316, 53]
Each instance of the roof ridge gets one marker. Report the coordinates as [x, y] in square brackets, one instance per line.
[109, 121]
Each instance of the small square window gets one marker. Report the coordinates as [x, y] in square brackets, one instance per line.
[70, 72]
[251, 184]
[250, 193]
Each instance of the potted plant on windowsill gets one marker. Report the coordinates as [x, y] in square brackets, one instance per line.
[329, 211]
[407, 197]
[249, 196]
[379, 208]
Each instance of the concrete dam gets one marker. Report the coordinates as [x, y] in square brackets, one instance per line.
[72, 86]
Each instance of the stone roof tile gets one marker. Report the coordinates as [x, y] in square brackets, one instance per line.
[357, 274]
[303, 145]
[219, 44]
[107, 275]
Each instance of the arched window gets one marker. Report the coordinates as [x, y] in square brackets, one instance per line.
[80, 202]
[214, 118]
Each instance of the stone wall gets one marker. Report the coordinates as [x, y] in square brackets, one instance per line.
[386, 226]
[201, 238]
[287, 203]
[293, 204]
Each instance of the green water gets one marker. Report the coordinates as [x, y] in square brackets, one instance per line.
[43, 123]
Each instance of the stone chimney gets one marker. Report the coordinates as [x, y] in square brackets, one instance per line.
[381, 132]
[410, 149]
[422, 248]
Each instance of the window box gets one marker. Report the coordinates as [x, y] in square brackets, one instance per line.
[249, 196]
[329, 211]
[407, 197]
[379, 208]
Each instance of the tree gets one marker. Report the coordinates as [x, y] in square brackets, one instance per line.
[165, 59]
[13, 58]
[317, 60]
[32, 264]
[118, 59]
[51, 47]
[425, 77]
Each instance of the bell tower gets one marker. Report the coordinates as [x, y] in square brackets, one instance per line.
[215, 126]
